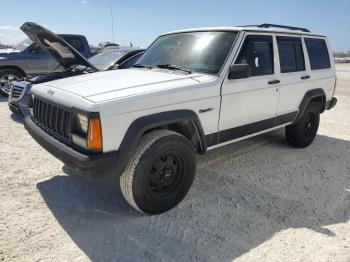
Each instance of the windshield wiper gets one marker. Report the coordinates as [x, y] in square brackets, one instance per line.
[142, 66]
[174, 67]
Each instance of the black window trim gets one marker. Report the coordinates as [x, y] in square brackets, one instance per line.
[299, 37]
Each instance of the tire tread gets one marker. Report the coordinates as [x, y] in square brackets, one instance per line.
[126, 179]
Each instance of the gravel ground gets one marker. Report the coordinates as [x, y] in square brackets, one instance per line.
[256, 200]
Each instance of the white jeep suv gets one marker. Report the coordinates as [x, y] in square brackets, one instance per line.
[192, 91]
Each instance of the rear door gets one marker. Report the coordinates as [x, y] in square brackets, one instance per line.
[249, 105]
[295, 76]
[321, 66]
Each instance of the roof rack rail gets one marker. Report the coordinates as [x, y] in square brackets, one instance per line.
[284, 26]
[248, 26]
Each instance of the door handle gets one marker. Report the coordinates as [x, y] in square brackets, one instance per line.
[274, 82]
[305, 77]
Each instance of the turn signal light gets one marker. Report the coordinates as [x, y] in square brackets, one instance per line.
[94, 138]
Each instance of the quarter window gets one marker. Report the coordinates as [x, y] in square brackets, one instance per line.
[257, 52]
[318, 53]
[291, 54]
[76, 43]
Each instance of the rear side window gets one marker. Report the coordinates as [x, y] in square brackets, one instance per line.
[318, 53]
[257, 52]
[291, 54]
[76, 43]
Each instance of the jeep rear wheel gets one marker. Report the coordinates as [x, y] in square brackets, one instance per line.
[302, 133]
[160, 172]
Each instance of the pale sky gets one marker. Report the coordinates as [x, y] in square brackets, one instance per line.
[140, 22]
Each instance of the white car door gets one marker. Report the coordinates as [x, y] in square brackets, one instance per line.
[249, 104]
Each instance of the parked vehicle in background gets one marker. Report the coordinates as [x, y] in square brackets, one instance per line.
[72, 62]
[191, 91]
[116, 58]
[32, 59]
[108, 44]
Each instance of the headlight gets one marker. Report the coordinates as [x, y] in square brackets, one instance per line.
[79, 141]
[88, 132]
[82, 122]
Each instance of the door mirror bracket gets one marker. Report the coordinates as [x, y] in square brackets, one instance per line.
[239, 71]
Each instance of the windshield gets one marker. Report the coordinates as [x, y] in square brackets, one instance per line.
[107, 58]
[203, 52]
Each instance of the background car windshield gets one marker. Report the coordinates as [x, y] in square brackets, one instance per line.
[203, 52]
[106, 58]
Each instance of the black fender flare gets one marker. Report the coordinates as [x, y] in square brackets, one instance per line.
[139, 126]
[310, 95]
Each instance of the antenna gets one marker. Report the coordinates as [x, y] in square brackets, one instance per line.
[112, 23]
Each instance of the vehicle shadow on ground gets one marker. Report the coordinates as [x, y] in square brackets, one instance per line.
[242, 195]
[17, 118]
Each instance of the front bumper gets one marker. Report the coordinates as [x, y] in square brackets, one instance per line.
[18, 109]
[95, 166]
[331, 103]
[14, 108]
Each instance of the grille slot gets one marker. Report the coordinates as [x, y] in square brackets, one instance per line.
[16, 91]
[52, 117]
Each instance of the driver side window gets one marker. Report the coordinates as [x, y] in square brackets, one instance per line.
[36, 49]
[257, 52]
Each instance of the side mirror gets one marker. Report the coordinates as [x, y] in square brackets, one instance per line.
[239, 71]
[35, 51]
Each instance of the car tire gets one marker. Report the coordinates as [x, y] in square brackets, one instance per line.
[303, 132]
[5, 73]
[159, 173]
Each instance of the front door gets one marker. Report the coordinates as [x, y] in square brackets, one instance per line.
[249, 105]
[38, 61]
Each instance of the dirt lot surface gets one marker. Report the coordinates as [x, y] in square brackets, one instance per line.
[256, 200]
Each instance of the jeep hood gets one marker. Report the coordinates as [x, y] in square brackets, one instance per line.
[63, 52]
[103, 86]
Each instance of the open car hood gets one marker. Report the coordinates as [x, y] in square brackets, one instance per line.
[63, 52]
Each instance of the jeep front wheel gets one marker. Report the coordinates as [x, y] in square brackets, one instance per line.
[159, 173]
[303, 132]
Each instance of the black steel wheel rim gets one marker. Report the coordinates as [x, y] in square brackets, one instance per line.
[165, 174]
[309, 125]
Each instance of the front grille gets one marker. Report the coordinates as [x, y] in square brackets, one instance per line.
[16, 91]
[52, 117]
